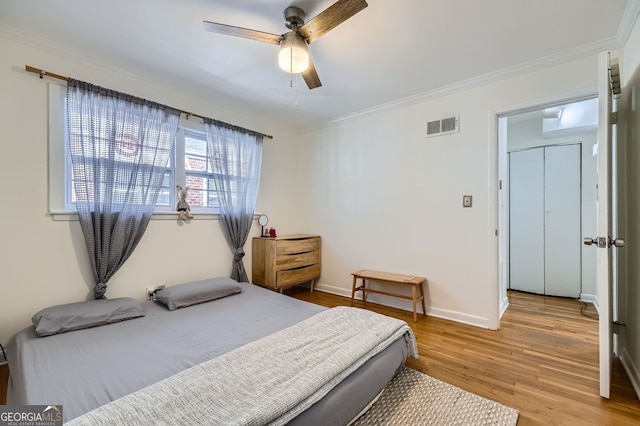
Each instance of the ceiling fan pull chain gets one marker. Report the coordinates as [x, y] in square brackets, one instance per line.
[291, 67]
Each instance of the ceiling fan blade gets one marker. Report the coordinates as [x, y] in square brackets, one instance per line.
[242, 32]
[330, 18]
[311, 76]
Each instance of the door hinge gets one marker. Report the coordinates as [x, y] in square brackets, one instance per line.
[614, 117]
[500, 184]
[616, 326]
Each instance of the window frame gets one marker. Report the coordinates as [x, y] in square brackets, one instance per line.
[60, 206]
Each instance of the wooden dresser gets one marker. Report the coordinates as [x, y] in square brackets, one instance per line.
[281, 262]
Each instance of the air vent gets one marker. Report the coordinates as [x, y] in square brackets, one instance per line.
[443, 126]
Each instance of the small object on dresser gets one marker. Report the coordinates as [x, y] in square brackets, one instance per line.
[272, 232]
[262, 221]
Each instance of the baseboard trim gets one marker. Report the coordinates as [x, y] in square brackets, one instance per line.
[406, 306]
[632, 371]
[503, 307]
[590, 298]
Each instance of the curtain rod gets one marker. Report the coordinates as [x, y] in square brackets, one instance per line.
[44, 73]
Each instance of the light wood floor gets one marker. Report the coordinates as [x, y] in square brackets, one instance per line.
[542, 362]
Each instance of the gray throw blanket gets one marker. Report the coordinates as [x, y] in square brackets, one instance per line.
[268, 381]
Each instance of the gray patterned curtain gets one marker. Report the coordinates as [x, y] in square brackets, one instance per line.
[236, 157]
[119, 147]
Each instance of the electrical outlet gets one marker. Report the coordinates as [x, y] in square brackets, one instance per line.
[467, 200]
[151, 291]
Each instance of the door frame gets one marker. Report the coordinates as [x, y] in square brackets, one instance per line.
[496, 194]
[497, 162]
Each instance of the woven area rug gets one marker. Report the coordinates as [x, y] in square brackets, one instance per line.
[413, 399]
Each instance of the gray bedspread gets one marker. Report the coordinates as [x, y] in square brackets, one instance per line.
[268, 381]
[85, 369]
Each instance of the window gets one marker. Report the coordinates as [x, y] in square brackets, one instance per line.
[188, 165]
[192, 169]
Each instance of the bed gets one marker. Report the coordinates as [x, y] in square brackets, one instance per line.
[253, 347]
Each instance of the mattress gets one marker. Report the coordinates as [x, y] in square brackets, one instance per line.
[85, 369]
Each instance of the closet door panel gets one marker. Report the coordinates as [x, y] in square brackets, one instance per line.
[562, 231]
[526, 228]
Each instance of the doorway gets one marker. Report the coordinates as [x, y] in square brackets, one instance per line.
[526, 139]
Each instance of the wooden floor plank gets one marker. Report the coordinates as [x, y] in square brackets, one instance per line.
[543, 361]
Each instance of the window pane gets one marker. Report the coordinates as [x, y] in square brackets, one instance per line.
[197, 198]
[197, 190]
[165, 198]
[196, 153]
[195, 146]
[193, 163]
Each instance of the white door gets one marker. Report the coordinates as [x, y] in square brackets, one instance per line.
[526, 220]
[604, 264]
[545, 220]
[562, 221]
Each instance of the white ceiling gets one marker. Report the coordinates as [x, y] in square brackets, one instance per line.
[389, 52]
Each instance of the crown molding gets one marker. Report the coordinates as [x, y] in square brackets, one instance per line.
[481, 80]
[628, 20]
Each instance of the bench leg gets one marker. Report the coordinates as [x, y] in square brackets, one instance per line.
[353, 289]
[424, 310]
[413, 292]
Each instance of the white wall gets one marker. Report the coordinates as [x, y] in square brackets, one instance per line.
[44, 262]
[385, 197]
[629, 138]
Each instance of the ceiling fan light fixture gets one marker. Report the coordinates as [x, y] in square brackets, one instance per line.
[294, 53]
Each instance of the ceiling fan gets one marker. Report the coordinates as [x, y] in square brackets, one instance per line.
[294, 52]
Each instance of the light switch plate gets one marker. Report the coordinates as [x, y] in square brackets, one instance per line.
[467, 200]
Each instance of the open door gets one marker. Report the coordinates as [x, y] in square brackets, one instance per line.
[604, 242]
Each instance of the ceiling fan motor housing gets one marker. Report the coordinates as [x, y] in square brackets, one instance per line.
[293, 16]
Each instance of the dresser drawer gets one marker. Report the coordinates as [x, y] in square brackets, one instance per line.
[296, 276]
[292, 261]
[287, 260]
[297, 246]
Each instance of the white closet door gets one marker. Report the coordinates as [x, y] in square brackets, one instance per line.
[526, 227]
[562, 230]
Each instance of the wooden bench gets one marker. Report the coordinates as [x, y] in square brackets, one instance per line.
[416, 283]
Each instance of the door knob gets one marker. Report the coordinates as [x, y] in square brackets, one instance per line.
[604, 242]
[618, 242]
